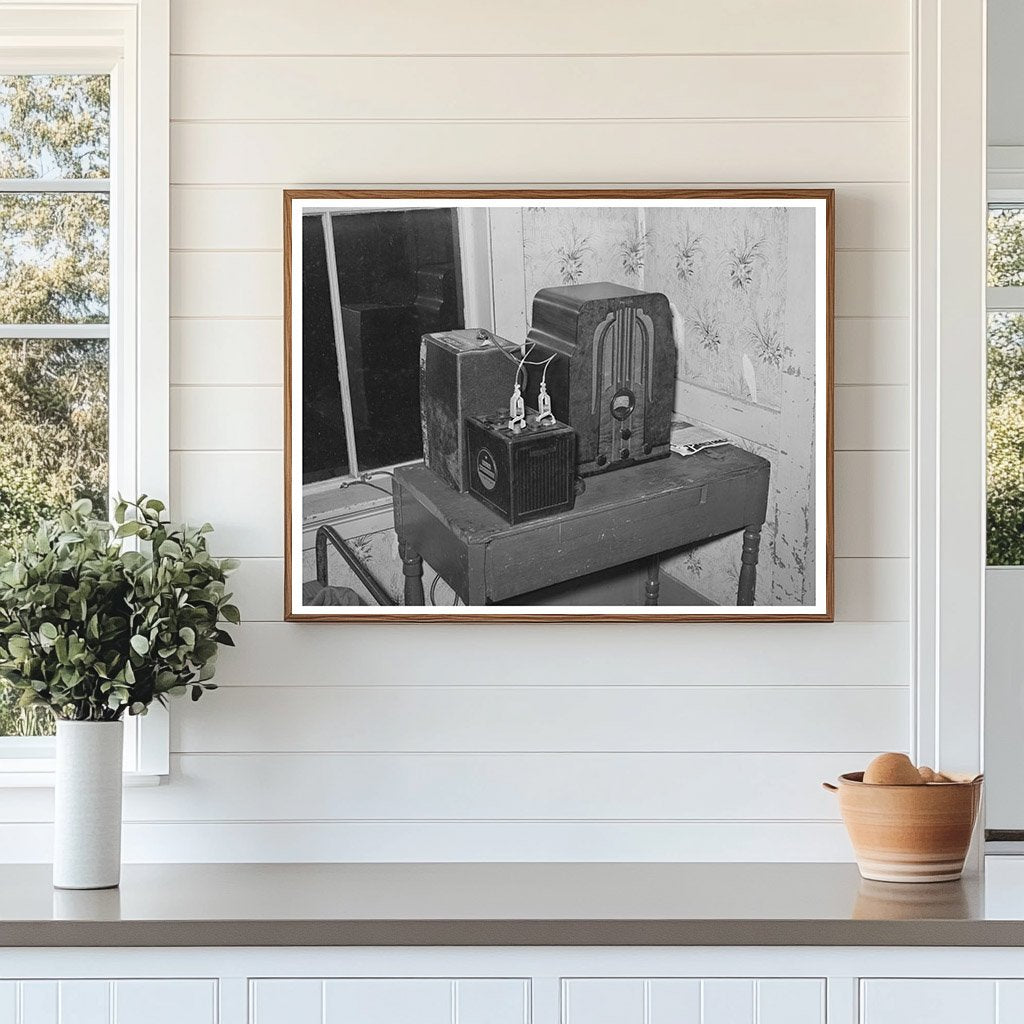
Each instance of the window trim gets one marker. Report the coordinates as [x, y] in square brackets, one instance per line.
[948, 305]
[129, 40]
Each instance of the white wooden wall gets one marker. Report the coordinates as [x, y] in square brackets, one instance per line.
[540, 742]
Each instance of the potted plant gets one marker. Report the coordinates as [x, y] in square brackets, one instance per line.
[93, 629]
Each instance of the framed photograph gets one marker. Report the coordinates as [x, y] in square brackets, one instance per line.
[561, 405]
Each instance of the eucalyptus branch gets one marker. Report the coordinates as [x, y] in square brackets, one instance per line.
[91, 630]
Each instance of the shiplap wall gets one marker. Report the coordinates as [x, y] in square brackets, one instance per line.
[690, 741]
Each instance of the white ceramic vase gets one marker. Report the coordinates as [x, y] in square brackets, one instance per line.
[87, 805]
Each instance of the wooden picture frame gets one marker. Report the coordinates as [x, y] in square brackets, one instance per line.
[436, 515]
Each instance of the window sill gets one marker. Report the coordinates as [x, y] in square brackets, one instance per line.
[41, 775]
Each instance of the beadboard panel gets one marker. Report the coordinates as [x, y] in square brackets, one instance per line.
[284, 88]
[872, 418]
[226, 284]
[873, 283]
[872, 502]
[246, 283]
[938, 1001]
[216, 418]
[241, 492]
[157, 842]
[633, 719]
[227, 352]
[696, 1000]
[461, 787]
[213, 418]
[477, 786]
[534, 26]
[94, 1001]
[867, 589]
[842, 654]
[735, 152]
[868, 216]
[872, 589]
[258, 586]
[872, 350]
[389, 1001]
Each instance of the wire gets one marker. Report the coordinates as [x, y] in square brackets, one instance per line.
[509, 353]
[366, 480]
[433, 588]
[547, 363]
[522, 363]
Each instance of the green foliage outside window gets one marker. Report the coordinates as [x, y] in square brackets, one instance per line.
[1005, 478]
[1005, 486]
[54, 269]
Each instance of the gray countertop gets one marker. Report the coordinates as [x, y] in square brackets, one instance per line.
[507, 904]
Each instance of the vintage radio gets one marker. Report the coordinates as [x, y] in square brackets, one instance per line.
[462, 373]
[523, 473]
[613, 378]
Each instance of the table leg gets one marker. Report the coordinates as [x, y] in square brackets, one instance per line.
[653, 588]
[748, 567]
[412, 567]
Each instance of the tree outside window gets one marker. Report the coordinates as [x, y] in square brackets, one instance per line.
[54, 307]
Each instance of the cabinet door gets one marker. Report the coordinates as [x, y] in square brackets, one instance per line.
[693, 1001]
[388, 1001]
[941, 1001]
[100, 1001]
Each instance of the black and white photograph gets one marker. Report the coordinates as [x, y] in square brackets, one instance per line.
[542, 405]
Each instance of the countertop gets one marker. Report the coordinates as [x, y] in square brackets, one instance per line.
[651, 904]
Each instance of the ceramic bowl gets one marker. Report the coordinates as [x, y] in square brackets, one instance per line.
[909, 833]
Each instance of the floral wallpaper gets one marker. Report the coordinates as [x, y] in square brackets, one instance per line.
[726, 271]
[745, 334]
[566, 245]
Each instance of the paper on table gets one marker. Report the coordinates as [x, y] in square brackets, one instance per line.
[689, 440]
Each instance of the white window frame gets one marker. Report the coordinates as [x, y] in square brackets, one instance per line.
[1004, 804]
[949, 323]
[130, 41]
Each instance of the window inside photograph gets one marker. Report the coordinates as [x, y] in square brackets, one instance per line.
[1005, 477]
[394, 277]
[54, 308]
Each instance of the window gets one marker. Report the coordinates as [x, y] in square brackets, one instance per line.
[54, 308]
[374, 282]
[1005, 478]
[83, 264]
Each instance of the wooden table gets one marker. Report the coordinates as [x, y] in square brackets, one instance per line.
[622, 517]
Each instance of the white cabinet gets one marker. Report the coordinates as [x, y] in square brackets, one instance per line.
[95, 1001]
[693, 1001]
[512, 985]
[941, 1001]
[388, 1001]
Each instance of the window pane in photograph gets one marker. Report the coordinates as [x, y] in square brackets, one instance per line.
[53, 450]
[54, 126]
[54, 257]
[1005, 246]
[398, 280]
[324, 443]
[1005, 439]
